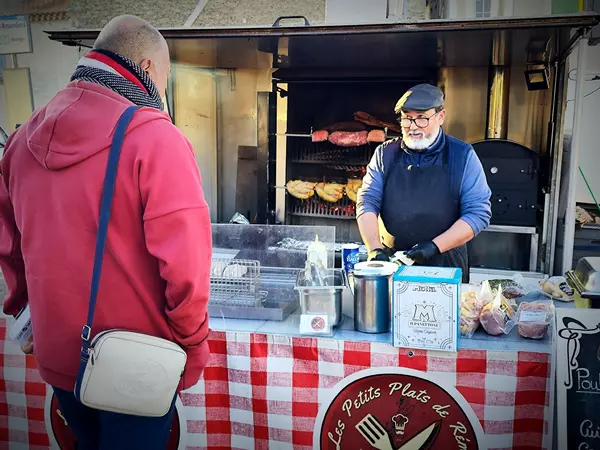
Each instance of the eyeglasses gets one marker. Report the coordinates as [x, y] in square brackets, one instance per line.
[420, 122]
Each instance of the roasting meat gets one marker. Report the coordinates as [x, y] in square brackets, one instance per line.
[377, 136]
[352, 189]
[375, 122]
[330, 192]
[300, 189]
[349, 138]
[352, 125]
[320, 135]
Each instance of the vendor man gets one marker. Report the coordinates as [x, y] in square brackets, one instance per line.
[428, 189]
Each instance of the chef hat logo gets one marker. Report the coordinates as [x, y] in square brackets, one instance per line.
[400, 421]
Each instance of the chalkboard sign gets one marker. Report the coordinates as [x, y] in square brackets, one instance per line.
[578, 378]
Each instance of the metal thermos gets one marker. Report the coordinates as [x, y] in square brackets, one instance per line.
[372, 296]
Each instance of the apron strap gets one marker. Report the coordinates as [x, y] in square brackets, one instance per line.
[393, 161]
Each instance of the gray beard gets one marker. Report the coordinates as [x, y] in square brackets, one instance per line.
[419, 145]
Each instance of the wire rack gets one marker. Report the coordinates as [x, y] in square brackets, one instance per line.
[315, 207]
[327, 153]
[235, 282]
[591, 226]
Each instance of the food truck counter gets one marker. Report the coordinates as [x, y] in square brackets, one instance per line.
[268, 385]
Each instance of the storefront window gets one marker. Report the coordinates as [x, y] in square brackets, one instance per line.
[483, 8]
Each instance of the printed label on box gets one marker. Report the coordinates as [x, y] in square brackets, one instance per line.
[429, 272]
[425, 315]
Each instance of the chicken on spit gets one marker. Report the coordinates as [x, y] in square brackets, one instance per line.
[352, 188]
[330, 192]
[301, 189]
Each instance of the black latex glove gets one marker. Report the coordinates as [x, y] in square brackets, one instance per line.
[423, 252]
[377, 254]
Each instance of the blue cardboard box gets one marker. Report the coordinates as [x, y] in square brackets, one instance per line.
[425, 308]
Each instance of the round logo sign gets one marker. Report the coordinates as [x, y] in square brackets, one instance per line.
[396, 409]
[62, 437]
[317, 324]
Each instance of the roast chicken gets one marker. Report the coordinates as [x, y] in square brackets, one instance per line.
[301, 189]
[330, 192]
[352, 189]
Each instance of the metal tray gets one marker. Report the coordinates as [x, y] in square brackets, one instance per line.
[278, 298]
[587, 273]
[323, 299]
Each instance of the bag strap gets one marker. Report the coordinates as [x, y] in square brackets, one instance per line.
[108, 190]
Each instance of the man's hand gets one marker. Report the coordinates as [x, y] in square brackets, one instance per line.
[377, 254]
[28, 348]
[423, 252]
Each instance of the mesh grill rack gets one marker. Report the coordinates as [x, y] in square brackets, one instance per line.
[315, 207]
[591, 226]
[326, 152]
[235, 282]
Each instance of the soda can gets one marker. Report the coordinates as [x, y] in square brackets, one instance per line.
[349, 257]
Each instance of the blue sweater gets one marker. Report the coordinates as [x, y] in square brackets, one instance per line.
[475, 206]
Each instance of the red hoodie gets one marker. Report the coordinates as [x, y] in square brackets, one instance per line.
[156, 271]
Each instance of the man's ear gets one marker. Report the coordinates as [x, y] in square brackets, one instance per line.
[442, 116]
[145, 64]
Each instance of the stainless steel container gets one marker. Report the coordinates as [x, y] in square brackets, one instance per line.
[325, 299]
[373, 296]
[585, 279]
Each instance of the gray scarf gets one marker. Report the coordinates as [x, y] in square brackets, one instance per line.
[118, 83]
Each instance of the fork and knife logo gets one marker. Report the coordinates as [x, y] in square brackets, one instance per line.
[377, 436]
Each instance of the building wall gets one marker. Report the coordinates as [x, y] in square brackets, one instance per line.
[223, 13]
[51, 63]
[175, 13]
[94, 14]
[524, 8]
[3, 110]
[462, 9]
[359, 11]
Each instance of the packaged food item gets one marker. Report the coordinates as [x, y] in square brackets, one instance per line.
[496, 317]
[557, 288]
[511, 290]
[533, 318]
[470, 308]
[485, 295]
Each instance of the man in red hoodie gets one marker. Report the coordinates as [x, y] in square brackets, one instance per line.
[156, 272]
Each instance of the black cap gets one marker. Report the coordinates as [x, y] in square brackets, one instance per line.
[421, 97]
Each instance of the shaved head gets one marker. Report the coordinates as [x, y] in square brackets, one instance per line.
[136, 39]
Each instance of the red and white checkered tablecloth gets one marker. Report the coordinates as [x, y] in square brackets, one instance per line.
[263, 391]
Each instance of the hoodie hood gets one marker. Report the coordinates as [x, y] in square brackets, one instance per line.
[78, 123]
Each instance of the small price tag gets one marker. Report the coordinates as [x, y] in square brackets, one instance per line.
[533, 316]
[314, 324]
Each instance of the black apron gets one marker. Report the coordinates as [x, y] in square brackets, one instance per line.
[420, 203]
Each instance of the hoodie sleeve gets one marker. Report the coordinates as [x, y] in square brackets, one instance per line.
[11, 259]
[177, 229]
